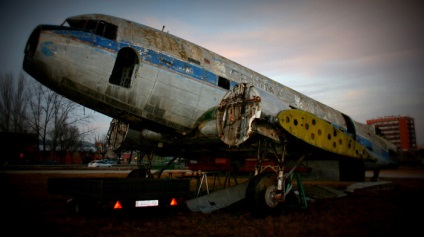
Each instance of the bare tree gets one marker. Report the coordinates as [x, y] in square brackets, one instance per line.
[57, 120]
[36, 112]
[13, 103]
[69, 139]
[101, 144]
[59, 123]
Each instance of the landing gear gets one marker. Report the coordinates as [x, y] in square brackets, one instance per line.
[270, 190]
[262, 195]
[376, 173]
[143, 170]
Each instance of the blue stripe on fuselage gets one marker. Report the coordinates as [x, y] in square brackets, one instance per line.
[369, 145]
[149, 56]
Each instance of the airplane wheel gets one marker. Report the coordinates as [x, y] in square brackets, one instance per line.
[260, 195]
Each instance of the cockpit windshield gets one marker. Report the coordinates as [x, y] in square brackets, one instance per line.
[98, 27]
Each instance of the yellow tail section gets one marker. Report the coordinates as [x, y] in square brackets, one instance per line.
[321, 134]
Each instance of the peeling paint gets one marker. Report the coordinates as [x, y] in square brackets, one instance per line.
[46, 48]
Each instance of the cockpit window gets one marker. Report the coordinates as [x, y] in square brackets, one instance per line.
[98, 27]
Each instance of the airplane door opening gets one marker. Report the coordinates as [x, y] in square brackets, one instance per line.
[125, 67]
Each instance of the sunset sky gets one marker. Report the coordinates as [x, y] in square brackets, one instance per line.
[364, 58]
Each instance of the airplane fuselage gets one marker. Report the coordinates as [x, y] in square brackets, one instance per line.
[159, 82]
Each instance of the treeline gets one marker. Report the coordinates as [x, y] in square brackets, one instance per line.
[28, 107]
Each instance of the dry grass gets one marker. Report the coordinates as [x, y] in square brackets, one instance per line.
[27, 208]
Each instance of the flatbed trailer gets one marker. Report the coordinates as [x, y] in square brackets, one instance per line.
[113, 194]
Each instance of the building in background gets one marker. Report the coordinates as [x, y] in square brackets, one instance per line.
[18, 148]
[400, 130]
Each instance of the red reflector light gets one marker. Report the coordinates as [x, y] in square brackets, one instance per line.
[173, 202]
[117, 205]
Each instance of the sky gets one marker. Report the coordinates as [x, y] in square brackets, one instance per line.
[364, 58]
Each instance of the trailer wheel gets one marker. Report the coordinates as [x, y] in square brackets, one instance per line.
[77, 206]
[259, 195]
[73, 206]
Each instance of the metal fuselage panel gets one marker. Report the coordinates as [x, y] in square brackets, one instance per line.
[174, 95]
[175, 84]
[81, 71]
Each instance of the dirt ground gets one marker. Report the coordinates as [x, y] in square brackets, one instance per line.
[27, 208]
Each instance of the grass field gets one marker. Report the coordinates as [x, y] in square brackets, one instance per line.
[27, 209]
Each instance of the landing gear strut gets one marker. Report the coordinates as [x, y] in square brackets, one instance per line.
[271, 186]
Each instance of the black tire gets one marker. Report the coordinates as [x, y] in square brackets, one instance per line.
[79, 206]
[75, 206]
[138, 173]
[261, 187]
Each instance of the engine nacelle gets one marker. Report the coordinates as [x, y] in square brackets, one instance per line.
[245, 110]
[120, 135]
[236, 112]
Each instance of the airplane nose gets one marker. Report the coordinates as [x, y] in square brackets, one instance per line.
[32, 43]
[36, 54]
[30, 49]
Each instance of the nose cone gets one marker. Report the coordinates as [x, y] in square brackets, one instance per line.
[30, 49]
[39, 60]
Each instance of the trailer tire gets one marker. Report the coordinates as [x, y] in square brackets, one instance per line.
[78, 206]
[73, 206]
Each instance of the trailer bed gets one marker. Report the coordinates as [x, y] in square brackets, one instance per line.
[131, 193]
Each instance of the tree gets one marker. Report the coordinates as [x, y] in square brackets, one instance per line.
[57, 120]
[60, 124]
[13, 104]
[101, 144]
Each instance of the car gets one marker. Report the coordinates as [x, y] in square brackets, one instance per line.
[112, 162]
[99, 163]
